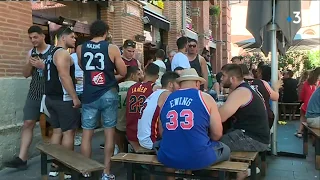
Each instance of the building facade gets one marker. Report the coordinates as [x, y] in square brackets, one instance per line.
[152, 24]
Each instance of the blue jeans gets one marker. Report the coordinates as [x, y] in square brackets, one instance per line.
[106, 106]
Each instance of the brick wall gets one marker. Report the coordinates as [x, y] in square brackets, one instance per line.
[226, 32]
[173, 12]
[123, 25]
[15, 19]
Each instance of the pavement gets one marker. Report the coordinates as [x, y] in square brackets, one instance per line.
[278, 168]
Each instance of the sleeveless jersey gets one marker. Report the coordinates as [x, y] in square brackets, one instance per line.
[98, 70]
[148, 122]
[254, 124]
[136, 96]
[37, 88]
[123, 90]
[54, 88]
[195, 64]
[185, 141]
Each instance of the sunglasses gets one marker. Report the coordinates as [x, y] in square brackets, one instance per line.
[192, 46]
[131, 44]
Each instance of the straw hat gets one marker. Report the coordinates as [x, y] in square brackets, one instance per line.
[190, 75]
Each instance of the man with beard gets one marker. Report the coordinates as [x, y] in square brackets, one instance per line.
[250, 128]
[31, 111]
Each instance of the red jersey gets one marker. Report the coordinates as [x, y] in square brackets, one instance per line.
[136, 96]
[132, 62]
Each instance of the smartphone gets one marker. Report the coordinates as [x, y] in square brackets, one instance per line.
[34, 55]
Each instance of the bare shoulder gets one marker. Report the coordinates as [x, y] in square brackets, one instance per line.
[113, 48]
[163, 97]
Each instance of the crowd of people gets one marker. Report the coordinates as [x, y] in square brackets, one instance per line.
[170, 105]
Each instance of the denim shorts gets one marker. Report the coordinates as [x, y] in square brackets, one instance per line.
[104, 108]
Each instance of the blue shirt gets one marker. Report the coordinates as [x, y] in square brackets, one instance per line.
[313, 109]
[98, 70]
[185, 140]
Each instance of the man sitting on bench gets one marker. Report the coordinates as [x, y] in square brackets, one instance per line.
[148, 122]
[313, 110]
[191, 127]
[251, 129]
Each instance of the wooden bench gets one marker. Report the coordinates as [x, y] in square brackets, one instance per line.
[251, 158]
[132, 159]
[68, 160]
[316, 133]
[293, 110]
[140, 150]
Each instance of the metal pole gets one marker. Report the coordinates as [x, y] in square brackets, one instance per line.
[184, 14]
[274, 76]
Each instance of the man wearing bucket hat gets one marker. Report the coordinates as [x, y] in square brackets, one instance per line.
[186, 117]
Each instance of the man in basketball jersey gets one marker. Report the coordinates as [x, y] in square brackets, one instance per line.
[136, 96]
[31, 111]
[148, 131]
[198, 62]
[129, 47]
[132, 77]
[191, 127]
[251, 128]
[98, 60]
[61, 100]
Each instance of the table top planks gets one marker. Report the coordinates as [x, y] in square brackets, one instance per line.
[152, 160]
[313, 130]
[251, 156]
[71, 159]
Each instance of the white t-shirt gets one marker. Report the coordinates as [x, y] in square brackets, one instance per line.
[147, 124]
[78, 73]
[180, 60]
[162, 70]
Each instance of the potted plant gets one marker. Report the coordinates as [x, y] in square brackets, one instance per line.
[214, 11]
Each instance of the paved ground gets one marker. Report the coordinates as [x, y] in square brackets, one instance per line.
[279, 168]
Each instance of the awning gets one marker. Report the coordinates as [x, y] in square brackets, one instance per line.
[191, 34]
[157, 20]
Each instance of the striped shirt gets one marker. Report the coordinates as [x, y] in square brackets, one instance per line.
[37, 82]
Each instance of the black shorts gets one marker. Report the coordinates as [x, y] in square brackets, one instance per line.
[31, 110]
[62, 114]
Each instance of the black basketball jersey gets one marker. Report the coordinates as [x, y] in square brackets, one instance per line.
[98, 70]
[53, 86]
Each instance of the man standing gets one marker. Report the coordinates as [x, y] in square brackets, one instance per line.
[132, 77]
[148, 131]
[198, 63]
[98, 60]
[180, 59]
[251, 128]
[136, 96]
[237, 60]
[129, 47]
[160, 55]
[61, 99]
[31, 111]
[168, 60]
[191, 127]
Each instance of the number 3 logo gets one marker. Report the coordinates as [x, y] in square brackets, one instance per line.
[98, 56]
[297, 15]
[187, 124]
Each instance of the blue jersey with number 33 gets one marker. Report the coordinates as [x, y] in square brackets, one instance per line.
[185, 141]
[98, 70]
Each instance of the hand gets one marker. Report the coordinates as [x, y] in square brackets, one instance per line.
[76, 103]
[278, 84]
[36, 62]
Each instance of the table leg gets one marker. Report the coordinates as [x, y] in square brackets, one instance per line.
[305, 140]
[130, 174]
[317, 153]
[263, 156]
[44, 168]
[253, 168]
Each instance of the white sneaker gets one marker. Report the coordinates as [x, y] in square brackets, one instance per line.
[249, 171]
[116, 149]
